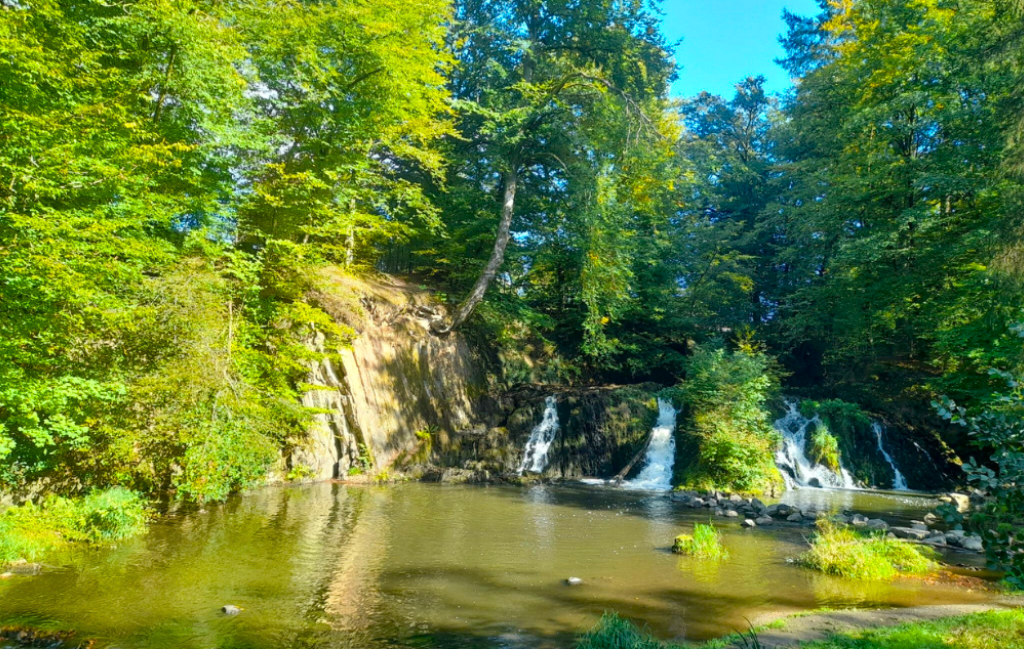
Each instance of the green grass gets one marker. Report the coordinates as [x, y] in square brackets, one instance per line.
[843, 552]
[29, 531]
[614, 632]
[705, 543]
[997, 629]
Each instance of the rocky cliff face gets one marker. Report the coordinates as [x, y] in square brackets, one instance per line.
[600, 430]
[396, 379]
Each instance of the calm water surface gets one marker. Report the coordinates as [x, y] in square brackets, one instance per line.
[419, 565]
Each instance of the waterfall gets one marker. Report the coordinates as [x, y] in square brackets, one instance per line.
[899, 483]
[535, 456]
[796, 468]
[656, 474]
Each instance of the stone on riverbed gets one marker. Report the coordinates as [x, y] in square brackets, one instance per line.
[732, 513]
[795, 518]
[764, 520]
[573, 581]
[230, 609]
[748, 523]
[877, 524]
[859, 520]
[909, 533]
[937, 539]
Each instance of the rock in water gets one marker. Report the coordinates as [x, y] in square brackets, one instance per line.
[972, 543]
[230, 610]
[573, 581]
[748, 523]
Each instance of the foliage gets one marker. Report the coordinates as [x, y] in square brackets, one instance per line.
[704, 543]
[28, 531]
[998, 429]
[614, 632]
[1003, 629]
[841, 551]
[823, 448]
[300, 472]
[725, 393]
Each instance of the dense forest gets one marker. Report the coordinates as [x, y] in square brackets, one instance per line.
[176, 176]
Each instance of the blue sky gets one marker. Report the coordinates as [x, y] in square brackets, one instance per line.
[727, 40]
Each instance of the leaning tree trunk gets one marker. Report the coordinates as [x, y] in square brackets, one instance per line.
[493, 264]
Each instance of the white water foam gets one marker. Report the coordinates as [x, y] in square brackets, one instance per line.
[656, 474]
[535, 456]
[796, 468]
[899, 482]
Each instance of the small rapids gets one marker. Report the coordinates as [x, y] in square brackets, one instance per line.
[656, 474]
[796, 468]
[899, 483]
[535, 456]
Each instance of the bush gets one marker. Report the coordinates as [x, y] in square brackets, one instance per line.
[1000, 430]
[731, 442]
[29, 531]
[705, 543]
[843, 552]
[823, 448]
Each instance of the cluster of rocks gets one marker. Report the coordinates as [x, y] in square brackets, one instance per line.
[751, 510]
[757, 514]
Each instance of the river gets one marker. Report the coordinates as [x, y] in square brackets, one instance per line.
[421, 565]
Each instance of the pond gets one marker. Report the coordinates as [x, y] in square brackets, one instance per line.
[421, 565]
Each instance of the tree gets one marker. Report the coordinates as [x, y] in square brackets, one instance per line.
[530, 75]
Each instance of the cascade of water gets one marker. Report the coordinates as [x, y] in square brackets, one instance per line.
[656, 474]
[535, 456]
[899, 483]
[796, 468]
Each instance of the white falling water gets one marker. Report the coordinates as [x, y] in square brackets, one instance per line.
[656, 474]
[899, 483]
[796, 468]
[535, 457]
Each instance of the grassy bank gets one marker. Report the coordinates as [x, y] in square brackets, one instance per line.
[29, 531]
[1003, 629]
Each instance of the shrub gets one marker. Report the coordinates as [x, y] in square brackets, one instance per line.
[823, 448]
[29, 531]
[843, 552]
[998, 429]
[730, 443]
[705, 543]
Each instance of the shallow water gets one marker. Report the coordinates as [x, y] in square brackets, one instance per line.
[418, 565]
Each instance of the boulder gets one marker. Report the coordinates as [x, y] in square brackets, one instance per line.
[748, 523]
[735, 498]
[795, 518]
[936, 539]
[859, 520]
[931, 518]
[910, 533]
[962, 501]
[230, 609]
[573, 581]
[972, 543]
[732, 513]
[758, 506]
[918, 525]
[719, 512]
[696, 502]
[877, 524]
[764, 520]
[711, 502]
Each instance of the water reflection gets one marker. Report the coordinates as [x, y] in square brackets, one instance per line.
[434, 565]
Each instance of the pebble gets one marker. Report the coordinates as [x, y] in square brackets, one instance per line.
[230, 609]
